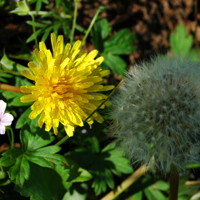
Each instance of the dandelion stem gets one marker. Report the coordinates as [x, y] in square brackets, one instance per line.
[126, 183]
[91, 24]
[9, 88]
[113, 91]
[173, 182]
[74, 20]
[63, 140]
[34, 32]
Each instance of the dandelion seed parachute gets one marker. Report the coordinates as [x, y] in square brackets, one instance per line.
[156, 113]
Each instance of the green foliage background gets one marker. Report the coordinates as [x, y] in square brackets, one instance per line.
[89, 164]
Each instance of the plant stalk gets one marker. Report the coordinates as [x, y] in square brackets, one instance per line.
[91, 25]
[74, 20]
[63, 140]
[34, 32]
[11, 137]
[9, 88]
[126, 183]
[173, 182]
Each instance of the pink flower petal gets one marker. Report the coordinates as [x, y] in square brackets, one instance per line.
[6, 120]
[2, 108]
[2, 130]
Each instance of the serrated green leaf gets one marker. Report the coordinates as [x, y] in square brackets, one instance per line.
[102, 165]
[78, 174]
[102, 179]
[20, 171]
[43, 184]
[180, 42]
[121, 43]
[23, 119]
[79, 194]
[100, 32]
[9, 157]
[115, 63]
[83, 176]
[46, 157]
[34, 141]
[117, 157]
[64, 171]
[33, 149]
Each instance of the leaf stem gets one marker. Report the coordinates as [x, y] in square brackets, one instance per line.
[126, 183]
[34, 32]
[74, 20]
[100, 9]
[9, 88]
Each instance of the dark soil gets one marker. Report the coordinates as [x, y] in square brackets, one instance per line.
[152, 22]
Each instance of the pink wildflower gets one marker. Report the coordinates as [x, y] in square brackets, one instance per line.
[5, 118]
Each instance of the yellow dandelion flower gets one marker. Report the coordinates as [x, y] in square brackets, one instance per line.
[67, 85]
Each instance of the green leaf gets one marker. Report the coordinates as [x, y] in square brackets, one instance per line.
[23, 119]
[137, 196]
[9, 157]
[102, 179]
[180, 42]
[77, 194]
[33, 150]
[121, 43]
[78, 174]
[15, 98]
[117, 157]
[33, 141]
[43, 184]
[115, 63]
[102, 165]
[22, 8]
[11, 65]
[161, 185]
[153, 194]
[46, 156]
[34, 35]
[20, 171]
[100, 32]
[195, 165]
[4, 77]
